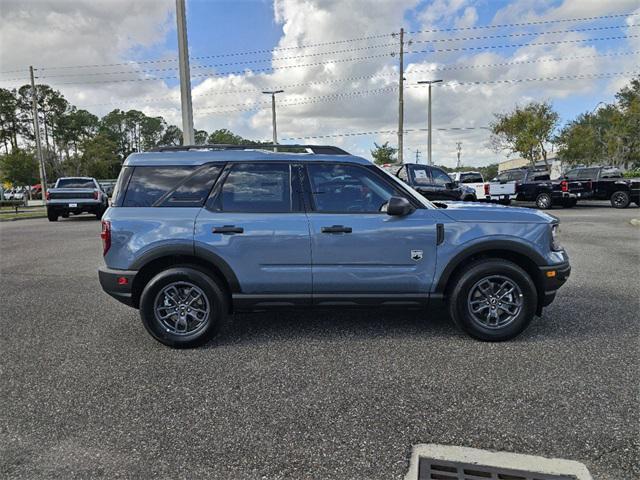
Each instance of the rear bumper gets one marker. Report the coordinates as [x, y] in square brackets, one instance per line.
[113, 282]
[554, 277]
[84, 205]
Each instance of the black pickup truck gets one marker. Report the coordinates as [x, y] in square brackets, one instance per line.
[432, 182]
[606, 183]
[533, 185]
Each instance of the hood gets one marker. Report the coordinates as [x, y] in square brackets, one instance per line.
[490, 212]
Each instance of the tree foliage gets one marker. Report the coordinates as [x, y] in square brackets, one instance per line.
[384, 154]
[526, 131]
[19, 167]
[609, 135]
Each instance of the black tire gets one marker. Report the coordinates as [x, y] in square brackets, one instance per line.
[620, 199]
[460, 299]
[100, 212]
[216, 298]
[469, 198]
[52, 215]
[544, 201]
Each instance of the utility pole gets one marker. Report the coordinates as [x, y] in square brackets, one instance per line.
[459, 145]
[401, 99]
[36, 129]
[185, 75]
[273, 115]
[429, 82]
[417, 155]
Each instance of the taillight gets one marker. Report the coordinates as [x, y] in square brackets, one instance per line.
[48, 196]
[564, 185]
[105, 235]
[95, 195]
[487, 189]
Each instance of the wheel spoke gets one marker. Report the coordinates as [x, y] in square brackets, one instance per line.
[494, 301]
[182, 308]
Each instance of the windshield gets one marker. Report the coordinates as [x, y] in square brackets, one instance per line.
[75, 183]
[471, 178]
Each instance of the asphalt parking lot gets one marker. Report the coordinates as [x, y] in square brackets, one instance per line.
[87, 393]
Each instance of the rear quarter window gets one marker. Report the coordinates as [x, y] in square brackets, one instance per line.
[148, 184]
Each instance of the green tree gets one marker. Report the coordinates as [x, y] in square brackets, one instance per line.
[171, 136]
[19, 167]
[526, 131]
[384, 154]
[224, 136]
[10, 125]
[200, 137]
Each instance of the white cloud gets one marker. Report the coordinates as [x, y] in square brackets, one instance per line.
[90, 32]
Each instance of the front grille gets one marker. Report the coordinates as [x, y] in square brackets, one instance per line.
[431, 469]
[70, 195]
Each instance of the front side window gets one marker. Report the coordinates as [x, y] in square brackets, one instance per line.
[420, 175]
[440, 177]
[149, 184]
[587, 174]
[348, 189]
[257, 188]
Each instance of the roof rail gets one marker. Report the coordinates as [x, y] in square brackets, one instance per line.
[318, 149]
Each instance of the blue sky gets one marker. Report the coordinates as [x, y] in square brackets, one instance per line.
[144, 32]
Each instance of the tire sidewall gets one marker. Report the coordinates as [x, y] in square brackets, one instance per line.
[625, 203]
[217, 303]
[483, 268]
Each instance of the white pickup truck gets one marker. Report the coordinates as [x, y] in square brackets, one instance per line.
[472, 180]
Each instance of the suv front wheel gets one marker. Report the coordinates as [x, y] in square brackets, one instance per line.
[183, 307]
[493, 300]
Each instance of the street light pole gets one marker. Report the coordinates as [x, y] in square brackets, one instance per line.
[185, 75]
[36, 131]
[429, 82]
[273, 115]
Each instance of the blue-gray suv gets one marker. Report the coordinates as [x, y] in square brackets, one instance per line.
[197, 233]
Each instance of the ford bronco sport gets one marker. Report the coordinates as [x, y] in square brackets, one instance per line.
[197, 233]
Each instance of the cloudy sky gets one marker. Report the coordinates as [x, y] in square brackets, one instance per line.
[336, 60]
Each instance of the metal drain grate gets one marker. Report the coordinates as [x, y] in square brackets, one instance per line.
[432, 469]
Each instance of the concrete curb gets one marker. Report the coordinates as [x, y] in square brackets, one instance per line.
[486, 458]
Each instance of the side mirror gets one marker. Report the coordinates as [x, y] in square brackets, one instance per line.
[399, 206]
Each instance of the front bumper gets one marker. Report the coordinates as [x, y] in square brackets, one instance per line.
[553, 277]
[113, 282]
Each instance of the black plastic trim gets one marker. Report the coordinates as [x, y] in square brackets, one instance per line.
[109, 283]
[486, 246]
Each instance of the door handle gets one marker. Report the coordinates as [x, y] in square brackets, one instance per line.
[336, 229]
[228, 230]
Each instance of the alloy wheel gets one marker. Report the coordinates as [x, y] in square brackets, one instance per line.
[182, 308]
[494, 301]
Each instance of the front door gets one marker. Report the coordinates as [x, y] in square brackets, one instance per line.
[356, 247]
[256, 223]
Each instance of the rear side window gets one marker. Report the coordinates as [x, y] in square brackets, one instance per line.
[193, 190]
[517, 176]
[541, 177]
[587, 174]
[257, 188]
[148, 184]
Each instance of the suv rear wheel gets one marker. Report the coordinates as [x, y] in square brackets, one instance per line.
[52, 215]
[620, 199]
[183, 307]
[493, 300]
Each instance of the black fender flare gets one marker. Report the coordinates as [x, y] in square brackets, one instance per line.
[487, 246]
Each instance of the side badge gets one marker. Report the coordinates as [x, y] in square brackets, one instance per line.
[416, 255]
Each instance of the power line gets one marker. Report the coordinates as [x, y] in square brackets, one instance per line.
[335, 42]
[515, 45]
[377, 75]
[526, 24]
[521, 34]
[377, 132]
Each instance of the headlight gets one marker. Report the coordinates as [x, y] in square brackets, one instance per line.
[555, 243]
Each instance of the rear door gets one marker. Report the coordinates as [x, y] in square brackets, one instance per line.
[359, 250]
[502, 187]
[255, 222]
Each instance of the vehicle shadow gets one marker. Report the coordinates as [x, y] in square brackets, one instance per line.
[575, 315]
[85, 217]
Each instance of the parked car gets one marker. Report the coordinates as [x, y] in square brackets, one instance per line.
[606, 183]
[533, 185]
[75, 195]
[197, 233]
[473, 180]
[433, 183]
